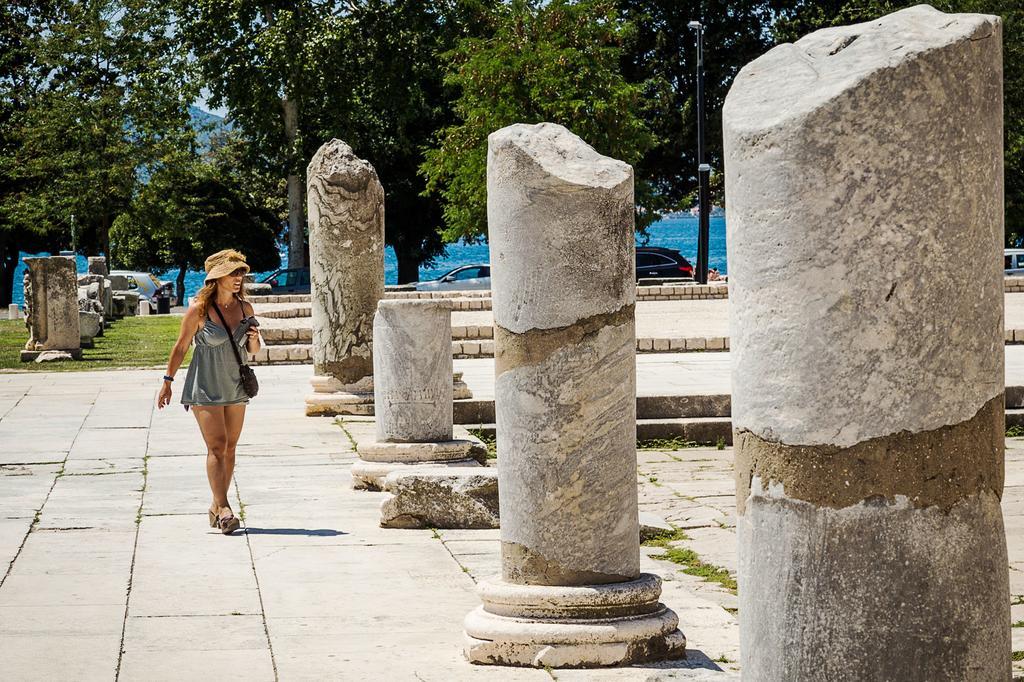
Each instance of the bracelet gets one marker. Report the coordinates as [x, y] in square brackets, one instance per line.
[168, 378]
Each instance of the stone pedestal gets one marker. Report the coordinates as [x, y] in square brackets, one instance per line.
[13, 312]
[143, 307]
[51, 307]
[867, 386]
[98, 266]
[412, 368]
[346, 271]
[560, 226]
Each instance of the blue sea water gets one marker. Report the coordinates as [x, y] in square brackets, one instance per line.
[678, 232]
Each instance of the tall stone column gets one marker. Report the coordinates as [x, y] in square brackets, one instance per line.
[560, 226]
[346, 271]
[51, 307]
[864, 185]
[412, 366]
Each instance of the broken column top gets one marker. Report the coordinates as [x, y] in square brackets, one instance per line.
[794, 79]
[560, 226]
[338, 164]
[563, 156]
[415, 304]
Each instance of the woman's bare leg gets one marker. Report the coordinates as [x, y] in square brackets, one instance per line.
[234, 417]
[212, 425]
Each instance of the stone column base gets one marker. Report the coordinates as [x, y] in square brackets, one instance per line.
[332, 398]
[334, 404]
[572, 627]
[460, 389]
[31, 355]
[373, 475]
[377, 460]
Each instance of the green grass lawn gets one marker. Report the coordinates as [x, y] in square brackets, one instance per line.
[131, 342]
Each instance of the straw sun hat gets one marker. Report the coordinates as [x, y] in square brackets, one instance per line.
[223, 263]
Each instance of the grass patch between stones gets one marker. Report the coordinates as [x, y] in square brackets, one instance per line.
[130, 342]
[689, 560]
[1015, 431]
[341, 424]
[489, 440]
[1017, 656]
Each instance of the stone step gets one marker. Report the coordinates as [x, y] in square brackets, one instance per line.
[706, 430]
[278, 336]
[481, 347]
[701, 430]
[297, 309]
[660, 292]
[648, 408]
[476, 341]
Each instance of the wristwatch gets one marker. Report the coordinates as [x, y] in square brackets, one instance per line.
[168, 378]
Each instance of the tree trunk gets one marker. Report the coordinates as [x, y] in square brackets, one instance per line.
[8, 262]
[104, 238]
[408, 266]
[180, 284]
[296, 212]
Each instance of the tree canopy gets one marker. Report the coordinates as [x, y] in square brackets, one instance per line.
[552, 61]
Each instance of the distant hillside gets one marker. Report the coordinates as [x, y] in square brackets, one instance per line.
[207, 124]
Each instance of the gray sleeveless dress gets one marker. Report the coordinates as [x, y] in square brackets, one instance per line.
[212, 377]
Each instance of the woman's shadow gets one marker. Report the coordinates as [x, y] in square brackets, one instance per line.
[308, 532]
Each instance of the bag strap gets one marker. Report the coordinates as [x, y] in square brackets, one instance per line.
[231, 335]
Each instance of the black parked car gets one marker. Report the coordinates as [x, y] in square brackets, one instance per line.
[655, 262]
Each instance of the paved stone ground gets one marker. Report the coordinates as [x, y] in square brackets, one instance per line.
[109, 571]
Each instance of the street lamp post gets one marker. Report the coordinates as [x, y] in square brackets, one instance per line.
[703, 169]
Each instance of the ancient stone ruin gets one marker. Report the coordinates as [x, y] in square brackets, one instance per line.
[868, 383]
[571, 593]
[412, 366]
[51, 308]
[346, 271]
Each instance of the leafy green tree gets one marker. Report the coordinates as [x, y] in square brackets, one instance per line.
[555, 61]
[661, 55]
[271, 62]
[812, 15]
[21, 77]
[114, 103]
[399, 102]
[185, 212]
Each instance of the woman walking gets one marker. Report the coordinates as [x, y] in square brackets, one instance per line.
[219, 317]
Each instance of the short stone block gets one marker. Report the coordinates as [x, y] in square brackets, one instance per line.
[445, 497]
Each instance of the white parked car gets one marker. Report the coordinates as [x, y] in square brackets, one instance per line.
[462, 278]
[1013, 262]
[145, 283]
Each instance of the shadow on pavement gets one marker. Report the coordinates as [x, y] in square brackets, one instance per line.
[311, 532]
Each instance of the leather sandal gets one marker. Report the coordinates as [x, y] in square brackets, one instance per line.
[214, 522]
[228, 522]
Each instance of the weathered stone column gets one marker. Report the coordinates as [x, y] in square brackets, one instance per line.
[560, 225]
[51, 307]
[412, 366]
[867, 378]
[346, 271]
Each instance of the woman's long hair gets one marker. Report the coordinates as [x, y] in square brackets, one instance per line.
[207, 294]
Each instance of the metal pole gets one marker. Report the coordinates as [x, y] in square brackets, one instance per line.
[700, 94]
[703, 169]
[704, 230]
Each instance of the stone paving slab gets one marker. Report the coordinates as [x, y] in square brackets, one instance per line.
[122, 575]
